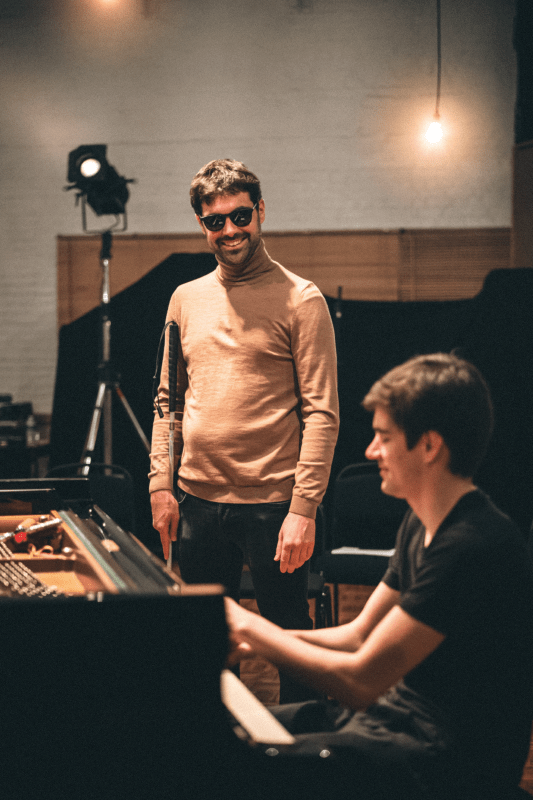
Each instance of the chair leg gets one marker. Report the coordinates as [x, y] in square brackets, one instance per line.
[319, 612]
[336, 603]
[320, 621]
[326, 596]
[323, 617]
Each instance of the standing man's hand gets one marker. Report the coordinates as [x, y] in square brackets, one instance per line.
[165, 515]
[296, 542]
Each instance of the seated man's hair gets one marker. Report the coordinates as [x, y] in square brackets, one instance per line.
[223, 176]
[444, 393]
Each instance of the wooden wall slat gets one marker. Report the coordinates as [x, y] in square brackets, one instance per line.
[368, 265]
[450, 264]
[364, 263]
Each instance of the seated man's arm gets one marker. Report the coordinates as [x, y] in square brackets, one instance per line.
[351, 636]
[395, 646]
[392, 649]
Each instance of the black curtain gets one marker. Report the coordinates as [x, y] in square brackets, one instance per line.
[493, 330]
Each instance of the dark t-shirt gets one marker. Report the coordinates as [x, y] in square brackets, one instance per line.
[474, 584]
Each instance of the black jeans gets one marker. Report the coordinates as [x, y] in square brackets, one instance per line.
[214, 542]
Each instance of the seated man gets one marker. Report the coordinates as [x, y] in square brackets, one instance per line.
[431, 686]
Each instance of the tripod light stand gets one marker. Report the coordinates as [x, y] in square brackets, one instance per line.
[106, 192]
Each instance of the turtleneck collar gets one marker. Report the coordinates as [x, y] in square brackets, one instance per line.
[260, 263]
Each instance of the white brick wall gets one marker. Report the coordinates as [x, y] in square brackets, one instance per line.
[327, 100]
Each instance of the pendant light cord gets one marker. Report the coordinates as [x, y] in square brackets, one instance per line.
[438, 59]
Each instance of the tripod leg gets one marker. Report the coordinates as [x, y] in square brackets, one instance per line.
[90, 442]
[132, 417]
[108, 426]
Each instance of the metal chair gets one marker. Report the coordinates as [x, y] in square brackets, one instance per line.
[362, 530]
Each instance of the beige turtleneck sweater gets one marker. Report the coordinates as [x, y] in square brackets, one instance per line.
[257, 407]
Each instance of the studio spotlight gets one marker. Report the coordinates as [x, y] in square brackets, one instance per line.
[101, 187]
[97, 182]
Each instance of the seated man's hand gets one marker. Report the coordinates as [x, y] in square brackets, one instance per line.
[237, 618]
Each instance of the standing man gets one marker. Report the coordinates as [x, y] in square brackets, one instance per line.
[256, 410]
[434, 679]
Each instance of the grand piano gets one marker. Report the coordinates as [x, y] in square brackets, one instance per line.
[112, 679]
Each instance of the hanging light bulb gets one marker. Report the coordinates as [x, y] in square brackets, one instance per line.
[434, 132]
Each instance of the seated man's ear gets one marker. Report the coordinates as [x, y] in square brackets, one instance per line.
[434, 446]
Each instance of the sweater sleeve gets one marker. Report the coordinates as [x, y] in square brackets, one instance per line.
[315, 360]
[160, 475]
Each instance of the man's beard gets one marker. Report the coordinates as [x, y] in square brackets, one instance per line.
[243, 253]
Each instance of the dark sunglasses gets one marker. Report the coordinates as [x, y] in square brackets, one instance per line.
[240, 217]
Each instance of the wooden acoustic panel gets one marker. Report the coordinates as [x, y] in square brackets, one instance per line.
[440, 264]
[450, 264]
[364, 263]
